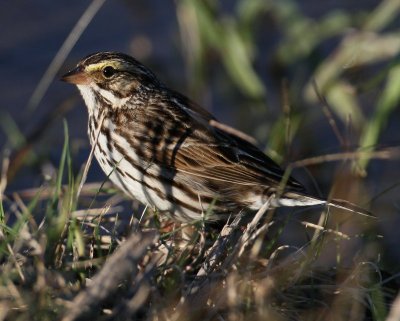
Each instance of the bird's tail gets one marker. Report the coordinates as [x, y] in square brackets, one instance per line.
[298, 199]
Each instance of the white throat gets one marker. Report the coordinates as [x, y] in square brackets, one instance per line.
[87, 92]
[89, 97]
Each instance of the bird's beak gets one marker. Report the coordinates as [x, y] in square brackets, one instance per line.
[76, 76]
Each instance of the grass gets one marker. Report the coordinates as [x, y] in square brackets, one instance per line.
[69, 268]
[76, 264]
[72, 250]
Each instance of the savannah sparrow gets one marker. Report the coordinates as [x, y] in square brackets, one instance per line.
[168, 152]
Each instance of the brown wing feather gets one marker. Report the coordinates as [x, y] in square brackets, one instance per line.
[204, 151]
[231, 164]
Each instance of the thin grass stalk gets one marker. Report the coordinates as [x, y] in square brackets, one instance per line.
[63, 53]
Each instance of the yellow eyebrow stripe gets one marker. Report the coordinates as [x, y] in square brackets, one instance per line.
[101, 65]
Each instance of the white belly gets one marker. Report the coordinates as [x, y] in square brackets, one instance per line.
[123, 174]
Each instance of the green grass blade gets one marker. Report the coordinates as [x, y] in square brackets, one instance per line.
[385, 106]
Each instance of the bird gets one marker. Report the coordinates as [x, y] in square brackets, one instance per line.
[166, 151]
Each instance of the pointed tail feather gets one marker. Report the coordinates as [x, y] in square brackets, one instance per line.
[297, 199]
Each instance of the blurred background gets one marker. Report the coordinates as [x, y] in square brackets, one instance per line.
[305, 78]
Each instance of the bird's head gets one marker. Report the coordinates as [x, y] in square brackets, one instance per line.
[111, 76]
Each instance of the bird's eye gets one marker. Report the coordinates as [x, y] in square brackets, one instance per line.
[108, 71]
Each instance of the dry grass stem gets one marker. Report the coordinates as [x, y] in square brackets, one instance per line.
[245, 238]
[120, 266]
[388, 153]
[216, 252]
[63, 52]
[233, 131]
[3, 184]
[328, 114]
[90, 158]
[45, 192]
[96, 212]
[325, 230]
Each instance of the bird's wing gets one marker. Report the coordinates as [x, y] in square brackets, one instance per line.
[212, 152]
[227, 158]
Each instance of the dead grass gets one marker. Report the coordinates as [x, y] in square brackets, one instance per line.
[81, 265]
